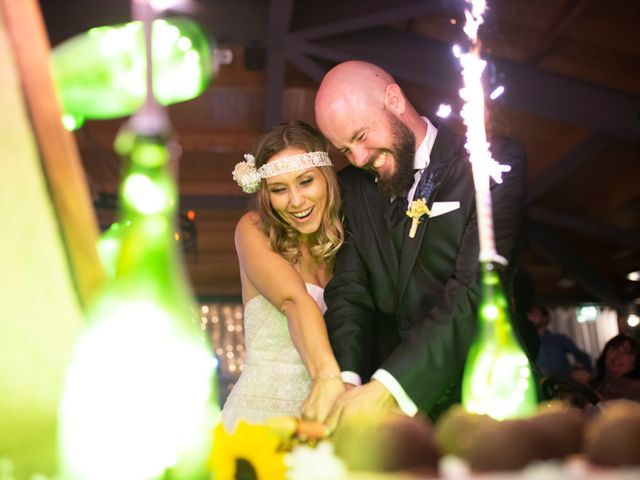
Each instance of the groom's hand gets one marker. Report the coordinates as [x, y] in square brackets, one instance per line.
[371, 399]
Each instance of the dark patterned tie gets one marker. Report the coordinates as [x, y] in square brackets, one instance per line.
[395, 212]
[425, 186]
[394, 215]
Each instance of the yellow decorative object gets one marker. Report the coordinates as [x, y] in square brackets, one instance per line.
[417, 209]
[250, 446]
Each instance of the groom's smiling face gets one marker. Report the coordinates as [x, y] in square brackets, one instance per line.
[402, 151]
[374, 139]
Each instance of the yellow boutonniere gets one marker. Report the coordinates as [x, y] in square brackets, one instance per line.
[417, 209]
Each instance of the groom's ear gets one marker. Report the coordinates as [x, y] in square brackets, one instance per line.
[394, 99]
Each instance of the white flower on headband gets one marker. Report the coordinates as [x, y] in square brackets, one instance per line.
[246, 175]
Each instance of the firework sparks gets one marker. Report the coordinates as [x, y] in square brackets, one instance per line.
[473, 113]
[444, 110]
[497, 92]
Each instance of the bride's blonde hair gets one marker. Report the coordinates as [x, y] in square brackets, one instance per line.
[285, 239]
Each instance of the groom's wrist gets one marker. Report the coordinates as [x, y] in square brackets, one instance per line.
[384, 396]
[351, 377]
[395, 389]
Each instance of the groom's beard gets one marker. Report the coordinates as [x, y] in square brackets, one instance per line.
[404, 152]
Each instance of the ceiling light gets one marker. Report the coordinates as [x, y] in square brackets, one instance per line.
[633, 320]
[497, 92]
[587, 314]
[634, 276]
[444, 110]
[565, 282]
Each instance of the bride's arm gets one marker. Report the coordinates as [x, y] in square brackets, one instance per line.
[278, 281]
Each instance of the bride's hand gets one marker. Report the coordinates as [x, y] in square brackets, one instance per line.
[321, 398]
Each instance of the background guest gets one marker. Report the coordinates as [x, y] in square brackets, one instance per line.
[521, 304]
[554, 347]
[618, 370]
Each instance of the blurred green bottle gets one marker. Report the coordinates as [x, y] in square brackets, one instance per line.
[498, 380]
[140, 398]
[100, 74]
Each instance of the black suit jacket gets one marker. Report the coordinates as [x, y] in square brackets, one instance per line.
[413, 312]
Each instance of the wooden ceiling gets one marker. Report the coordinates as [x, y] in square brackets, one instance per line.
[571, 69]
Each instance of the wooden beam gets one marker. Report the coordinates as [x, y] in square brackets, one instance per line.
[215, 275]
[426, 62]
[376, 13]
[311, 68]
[570, 10]
[600, 231]
[576, 267]
[591, 147]
[191, 141]
[237, 202]
[214, 202]
[280, 12]
[62, 166]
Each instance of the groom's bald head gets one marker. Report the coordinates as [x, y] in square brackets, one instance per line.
[350, 87]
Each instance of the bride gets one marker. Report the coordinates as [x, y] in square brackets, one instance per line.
[286, 247]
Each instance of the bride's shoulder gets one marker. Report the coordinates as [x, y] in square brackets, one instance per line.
[249, 234]
[248, 223]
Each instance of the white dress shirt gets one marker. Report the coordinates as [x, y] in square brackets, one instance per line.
[420, 163]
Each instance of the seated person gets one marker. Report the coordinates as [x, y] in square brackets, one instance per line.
[618, 370]
[554, 347]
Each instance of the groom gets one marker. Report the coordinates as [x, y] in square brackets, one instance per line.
[402, 308]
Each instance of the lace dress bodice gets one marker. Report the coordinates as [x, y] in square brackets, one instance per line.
[274, 380]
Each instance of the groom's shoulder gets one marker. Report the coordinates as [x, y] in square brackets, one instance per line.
[349, 172]
[508, 150]
[351, 176]
[354, 181]
[502, 141]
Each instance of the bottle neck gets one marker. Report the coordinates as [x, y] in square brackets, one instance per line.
[491, 273]
[493, 315]
[147, 192]
[148, 205]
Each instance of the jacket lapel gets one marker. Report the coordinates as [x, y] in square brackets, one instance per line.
[441, 159]
[375, 205]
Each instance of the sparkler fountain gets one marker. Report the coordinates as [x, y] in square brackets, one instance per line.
[498, 379]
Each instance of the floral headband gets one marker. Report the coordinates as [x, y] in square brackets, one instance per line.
[249, 178]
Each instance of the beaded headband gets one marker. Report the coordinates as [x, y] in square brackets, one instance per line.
[249, 178]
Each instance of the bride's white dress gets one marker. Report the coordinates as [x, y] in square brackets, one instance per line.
[274, 380]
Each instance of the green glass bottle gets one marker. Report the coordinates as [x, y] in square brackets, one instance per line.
[140, 398]
[109, 247]
[498, 379]
[100, 74]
